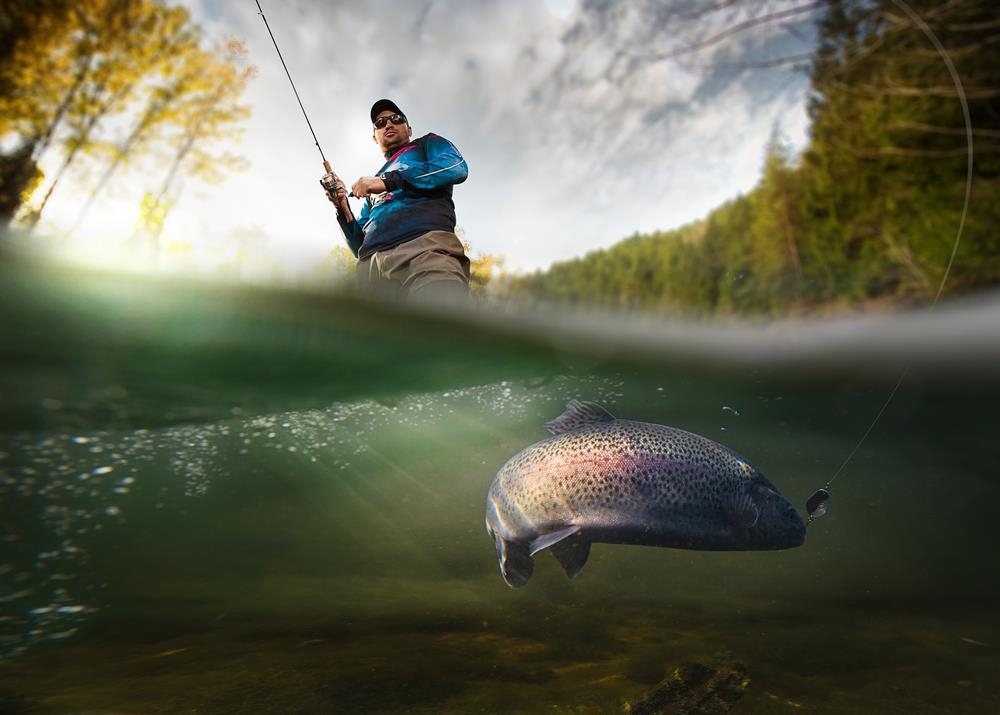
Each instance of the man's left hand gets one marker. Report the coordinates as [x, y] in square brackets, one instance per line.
[367, 185]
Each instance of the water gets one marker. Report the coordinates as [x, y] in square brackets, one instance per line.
[226, 500]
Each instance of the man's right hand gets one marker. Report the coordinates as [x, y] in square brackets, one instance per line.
[336, 192]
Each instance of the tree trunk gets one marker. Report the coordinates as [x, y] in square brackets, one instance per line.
[17, 171]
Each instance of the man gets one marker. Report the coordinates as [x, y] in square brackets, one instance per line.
[404, 238]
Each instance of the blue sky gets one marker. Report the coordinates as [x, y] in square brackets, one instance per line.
[575, 134]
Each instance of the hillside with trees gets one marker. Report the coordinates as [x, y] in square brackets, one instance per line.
[871, 209]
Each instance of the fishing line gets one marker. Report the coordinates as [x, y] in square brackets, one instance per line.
[818, 504]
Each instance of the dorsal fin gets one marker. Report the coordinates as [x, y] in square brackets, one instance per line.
[578, 414]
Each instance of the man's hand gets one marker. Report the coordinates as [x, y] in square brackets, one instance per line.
[367, 185]
[336, 192]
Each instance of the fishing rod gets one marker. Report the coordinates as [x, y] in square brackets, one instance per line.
[326, 164]
[819, 503]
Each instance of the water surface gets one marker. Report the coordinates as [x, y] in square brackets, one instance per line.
[231, 500]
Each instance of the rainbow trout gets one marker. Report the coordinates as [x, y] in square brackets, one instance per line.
[601, 479]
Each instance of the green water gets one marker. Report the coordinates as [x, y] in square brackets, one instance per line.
[222, 500]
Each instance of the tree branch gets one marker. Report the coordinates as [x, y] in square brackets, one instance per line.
[882, 151]
[735, 29]
[751, 64]
[956, 53]
[934, 129]
[708, 10]
[975, 26]
[932, 14]
[897, 90]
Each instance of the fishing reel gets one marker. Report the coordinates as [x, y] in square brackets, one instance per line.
[332, 187]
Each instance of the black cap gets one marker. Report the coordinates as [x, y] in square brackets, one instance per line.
[382, 105]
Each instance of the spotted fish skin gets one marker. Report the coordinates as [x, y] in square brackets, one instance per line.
[602, 479]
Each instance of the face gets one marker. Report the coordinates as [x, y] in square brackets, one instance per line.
[391, 136]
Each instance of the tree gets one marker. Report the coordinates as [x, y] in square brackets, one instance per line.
[872, 210]
[108, 82]
[35, 77]
[889, 144]
[775, 234]
[119, 45]
[487, 271]
[207, 114]
[174, 72]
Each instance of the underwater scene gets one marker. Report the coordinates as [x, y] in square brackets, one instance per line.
[244, 500]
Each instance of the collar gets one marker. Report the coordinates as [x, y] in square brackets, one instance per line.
[402, 150]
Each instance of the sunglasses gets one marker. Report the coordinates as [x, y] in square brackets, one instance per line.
[394, 118]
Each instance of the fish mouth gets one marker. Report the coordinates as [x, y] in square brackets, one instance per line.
[783, 528]
[516, 564]
[794, 535]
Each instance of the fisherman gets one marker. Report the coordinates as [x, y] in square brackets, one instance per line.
[404, 238]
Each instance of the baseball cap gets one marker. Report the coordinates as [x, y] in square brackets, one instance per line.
[382, 105]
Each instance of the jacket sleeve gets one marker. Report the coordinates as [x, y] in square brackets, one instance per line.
[442, 166]
[353, 233]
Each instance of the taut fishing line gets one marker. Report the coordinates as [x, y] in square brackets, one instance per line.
[818, 504]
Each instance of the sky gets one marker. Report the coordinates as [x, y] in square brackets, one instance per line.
[577, 131]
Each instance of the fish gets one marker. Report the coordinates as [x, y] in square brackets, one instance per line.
[599, 479]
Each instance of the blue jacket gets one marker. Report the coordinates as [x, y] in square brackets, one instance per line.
[418, 179]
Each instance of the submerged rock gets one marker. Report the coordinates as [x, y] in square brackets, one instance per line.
[695, 688]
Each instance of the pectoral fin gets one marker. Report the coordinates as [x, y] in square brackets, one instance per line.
[568, 545]
[544, 541]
